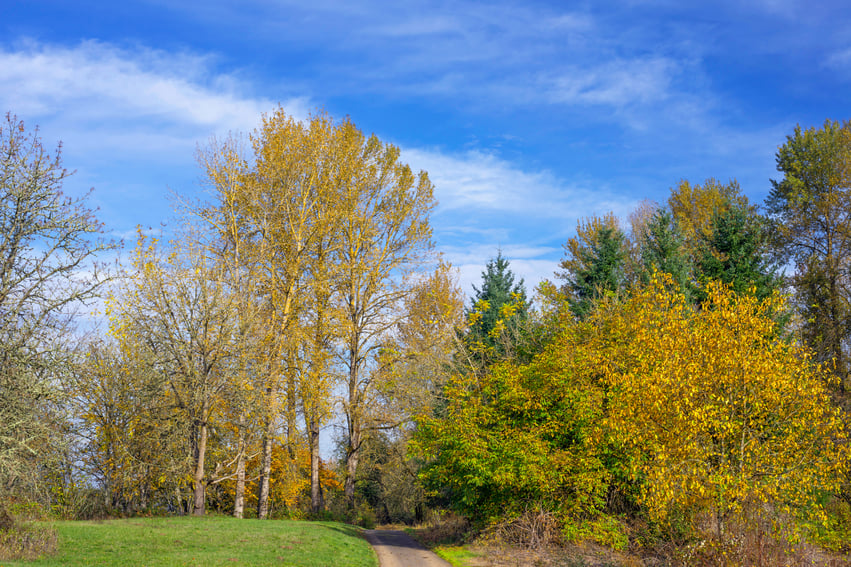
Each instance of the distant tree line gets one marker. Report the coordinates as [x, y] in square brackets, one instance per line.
[688, 374]
[686, 371]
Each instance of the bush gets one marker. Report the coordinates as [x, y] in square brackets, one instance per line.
[604, 530]
[364, 517]
[534, 529]
[24, 540]
[834, 533]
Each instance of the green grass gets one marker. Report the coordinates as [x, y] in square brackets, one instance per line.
[209, 541]
[456, 555]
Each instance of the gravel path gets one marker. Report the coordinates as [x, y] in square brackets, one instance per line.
[395, 548]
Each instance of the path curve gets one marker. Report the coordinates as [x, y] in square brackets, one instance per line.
[395, 548]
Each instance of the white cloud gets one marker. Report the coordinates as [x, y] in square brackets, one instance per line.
[616, 83]
[176, 96]
[488, 204]
[417, 27]
[783, 8]
[529, 263]
[479, 182]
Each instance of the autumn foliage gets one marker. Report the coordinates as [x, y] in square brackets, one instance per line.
[666, 390]
[730, 419]
[699, 416]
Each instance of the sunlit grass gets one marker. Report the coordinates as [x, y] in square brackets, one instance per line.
[209, 541]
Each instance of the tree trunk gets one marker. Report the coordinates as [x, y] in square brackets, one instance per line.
[353, 418]
[178, 499]
[316, 503]
[263, 488]
[198, 477]
[352, 458]
[239, 493]
[291, 415]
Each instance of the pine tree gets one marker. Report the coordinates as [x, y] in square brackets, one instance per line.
[600, 270]
[663, 250]
[736, 254]
[498, 306]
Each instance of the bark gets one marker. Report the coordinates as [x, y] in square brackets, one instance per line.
[316, 503]
[291, 415]
[239, 493]
[263, 488]
[352, 458]
[198, 477]
[353, 415]
[178, 499]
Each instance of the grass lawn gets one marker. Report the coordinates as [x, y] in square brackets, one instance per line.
[208, 541]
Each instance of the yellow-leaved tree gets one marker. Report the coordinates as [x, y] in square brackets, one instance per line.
[177, 306]
[332, 229]
[275, 216]
[694, 206]
[733, 424]
[384, 241]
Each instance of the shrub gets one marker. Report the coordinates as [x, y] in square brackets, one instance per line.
[24, 540]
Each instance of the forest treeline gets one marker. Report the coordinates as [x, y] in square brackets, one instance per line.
[683, 378]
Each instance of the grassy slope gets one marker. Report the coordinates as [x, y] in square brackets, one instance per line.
[206, 542]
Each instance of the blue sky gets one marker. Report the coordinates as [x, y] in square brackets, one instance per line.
[527, 115]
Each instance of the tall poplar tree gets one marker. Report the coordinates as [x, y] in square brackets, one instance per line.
[810, 209]
[384, 240]
[333, 227]
[275, 211]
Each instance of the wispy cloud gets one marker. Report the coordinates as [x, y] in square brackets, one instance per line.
[488, 204]
[839, 60]
[616, 83]
[531, 264]
[172, 97]
[485, 183]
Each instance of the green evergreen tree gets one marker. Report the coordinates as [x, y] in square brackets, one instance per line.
[497, 295]
[600, 271]
[736, 253]
[663, 250]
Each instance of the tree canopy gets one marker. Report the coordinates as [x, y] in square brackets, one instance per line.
[810, 209]
[49, 245]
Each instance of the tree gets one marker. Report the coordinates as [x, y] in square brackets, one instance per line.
[418, 359]
[699, 416]
[226, 171]
[518, 436]
[135, 446]
[333, 227]
[694, 207]
[181, 310]
[736, 253]
[272, 214]
[48, 249]
[384, 241]
[810, 209]
[316, 375]
[663, 250]
[498, 310]
[735, 423]
[594, 263]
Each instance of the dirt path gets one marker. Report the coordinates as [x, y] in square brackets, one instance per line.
[395, 548]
